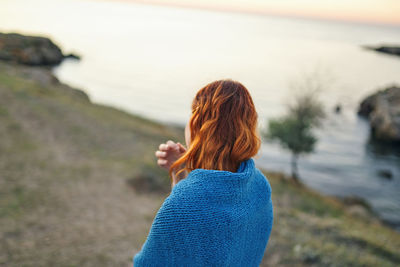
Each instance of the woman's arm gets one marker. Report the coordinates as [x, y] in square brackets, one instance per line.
[169, 235]
[167, 154]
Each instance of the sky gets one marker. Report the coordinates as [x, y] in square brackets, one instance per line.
[370, 11]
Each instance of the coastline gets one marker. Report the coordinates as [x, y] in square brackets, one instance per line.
[87, 171]
[142, 72]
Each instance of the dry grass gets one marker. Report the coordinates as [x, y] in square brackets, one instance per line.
[314, 230]
[64, 166]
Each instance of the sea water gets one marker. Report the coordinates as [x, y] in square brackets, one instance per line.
[151, 60]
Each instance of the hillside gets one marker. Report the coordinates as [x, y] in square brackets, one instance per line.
[79, 187]
[67, 167]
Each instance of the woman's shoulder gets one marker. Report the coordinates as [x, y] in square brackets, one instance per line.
[264, 179]
[264, 187]
[190, 187]
[210, 183]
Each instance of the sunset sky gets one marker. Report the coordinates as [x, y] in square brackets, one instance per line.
[373, 11]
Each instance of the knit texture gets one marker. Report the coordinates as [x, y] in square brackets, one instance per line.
[212, 218]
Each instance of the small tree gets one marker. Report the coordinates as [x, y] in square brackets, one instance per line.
[294, 129]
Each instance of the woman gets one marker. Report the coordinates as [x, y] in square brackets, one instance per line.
[219, 212]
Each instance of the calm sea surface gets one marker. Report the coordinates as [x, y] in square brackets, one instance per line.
[151, 60]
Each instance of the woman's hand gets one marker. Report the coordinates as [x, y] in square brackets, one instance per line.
[168, 153]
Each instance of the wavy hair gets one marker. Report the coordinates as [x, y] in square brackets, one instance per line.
[223, 129]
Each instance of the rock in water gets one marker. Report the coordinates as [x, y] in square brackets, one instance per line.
[29, 50]
[385, 173]
[392, 50]
[338, 108]
[383, 111]
[73, 56]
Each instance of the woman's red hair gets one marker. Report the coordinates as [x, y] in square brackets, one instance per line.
[223, 129]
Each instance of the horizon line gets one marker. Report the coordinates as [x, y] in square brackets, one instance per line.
[263, 12]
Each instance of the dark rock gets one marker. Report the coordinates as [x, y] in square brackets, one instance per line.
[387, 174]
[392, 50]
[367, 106]
[383, 112]
[29, 50]
[389, 50]
[338, 108]
[73, 56]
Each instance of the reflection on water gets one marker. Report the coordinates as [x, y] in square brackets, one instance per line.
[151, 60]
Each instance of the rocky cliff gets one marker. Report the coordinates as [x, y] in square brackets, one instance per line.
[30, 50]
[383, 112]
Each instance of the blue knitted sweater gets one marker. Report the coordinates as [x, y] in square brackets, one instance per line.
[212, 218]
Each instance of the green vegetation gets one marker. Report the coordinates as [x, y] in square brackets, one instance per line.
[294, 130]
[79, 186]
